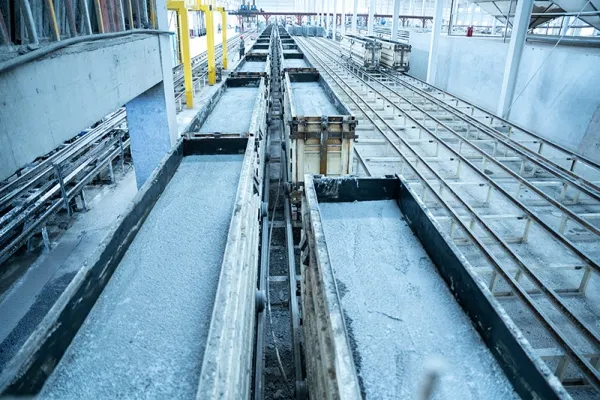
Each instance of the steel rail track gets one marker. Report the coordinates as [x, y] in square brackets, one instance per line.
[583, 363]
[565, 174]
[514, 129]
[558, 234]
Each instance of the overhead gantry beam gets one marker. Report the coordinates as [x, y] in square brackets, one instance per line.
[182, 7]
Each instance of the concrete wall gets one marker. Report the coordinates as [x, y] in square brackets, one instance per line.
[561, 103]
[45, 102]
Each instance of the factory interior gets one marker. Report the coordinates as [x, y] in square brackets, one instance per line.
[300, 199]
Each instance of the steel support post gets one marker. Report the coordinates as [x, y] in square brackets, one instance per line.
[395, 20]
[513, 58]
[371, 20]
[354, 17]
[210, 44]
[334, 19]
[435, 42]
[186, 60]
[343, 22]
[224, 35]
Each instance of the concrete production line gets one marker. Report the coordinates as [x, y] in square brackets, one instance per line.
[462, 228]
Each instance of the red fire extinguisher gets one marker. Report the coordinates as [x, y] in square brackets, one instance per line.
[469, 31]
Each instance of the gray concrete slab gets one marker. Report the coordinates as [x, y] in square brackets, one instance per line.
[233, 112]
[145, 336]
[310, 99]
[253, 66]
[295, 63]
[402, 319]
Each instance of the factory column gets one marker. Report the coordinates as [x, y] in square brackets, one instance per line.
[343, 18]
[322, 21]
[334, 19]
[354, 17]
[395, 21]
[151, 116]
[513, 58]
[435, 42]
[371, 20]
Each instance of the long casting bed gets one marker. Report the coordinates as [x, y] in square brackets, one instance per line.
[169, 298]
[320, 129]
[238, 107]
[382, 295]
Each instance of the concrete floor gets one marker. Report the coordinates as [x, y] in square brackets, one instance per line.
[310, 99]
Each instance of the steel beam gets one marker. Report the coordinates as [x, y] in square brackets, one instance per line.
[371, 20]
[513, 58]
[224, 35]
[395, 20]
[434, 44]
[355, 17]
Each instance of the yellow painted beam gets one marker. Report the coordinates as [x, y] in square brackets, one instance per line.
[184, 37]
[210, 43]
[224, 33]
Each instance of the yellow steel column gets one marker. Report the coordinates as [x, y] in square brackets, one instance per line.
[224, 33]
[210, 44]
[184, 36]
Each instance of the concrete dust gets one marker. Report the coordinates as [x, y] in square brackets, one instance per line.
[145, 336]
[253, 66]
[233, 112]
[310, 100]
[295, 63]
[403, 315]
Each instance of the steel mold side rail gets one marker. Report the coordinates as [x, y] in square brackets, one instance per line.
[227, 364]
[330, 368]
[363, 51]
[27, 372]
[528, 374]
[253, 57]
[318, 143]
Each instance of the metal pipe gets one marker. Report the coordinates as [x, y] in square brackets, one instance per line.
[26, 8]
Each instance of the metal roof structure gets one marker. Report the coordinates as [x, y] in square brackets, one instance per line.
[544, 11]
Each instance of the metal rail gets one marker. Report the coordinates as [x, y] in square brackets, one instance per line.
[429, 176]
[549, 163]
[414, 111]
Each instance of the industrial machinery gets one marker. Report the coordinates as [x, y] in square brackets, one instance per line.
[320, 130]
[363, 51]
[394, 54]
